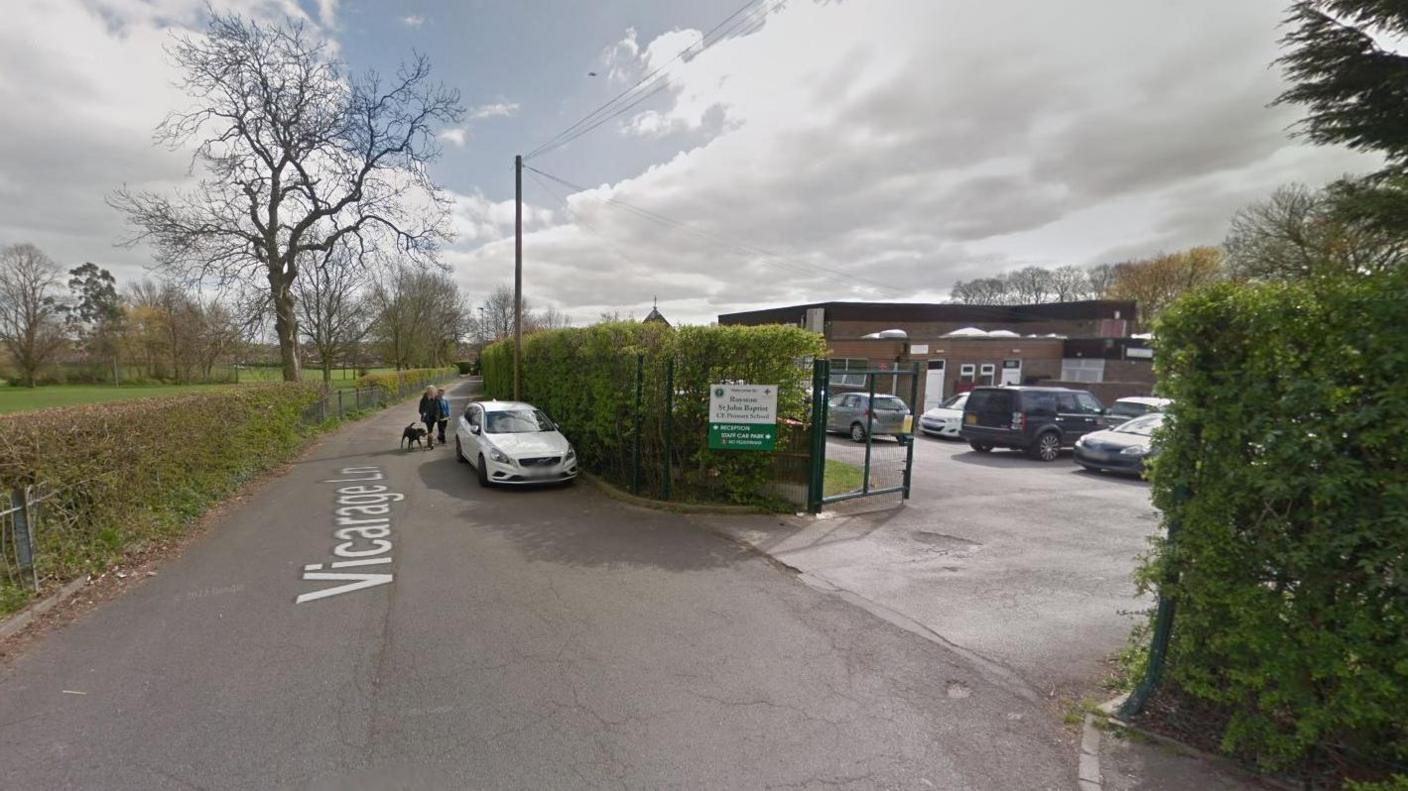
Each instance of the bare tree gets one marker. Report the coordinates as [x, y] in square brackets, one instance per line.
[31, 318]
[420, 317]
[1101, 278]
[546, 319]
[497, 311]
[1070, 283]
[982, 291]
[331, 312]
[298, 155]
[1031, 285]
[1299, 233]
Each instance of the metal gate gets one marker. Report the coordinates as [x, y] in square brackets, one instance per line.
[862, 425]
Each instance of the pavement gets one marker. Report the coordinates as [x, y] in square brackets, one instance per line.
[554, 639]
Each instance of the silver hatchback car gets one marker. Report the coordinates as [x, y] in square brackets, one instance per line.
[846, 414]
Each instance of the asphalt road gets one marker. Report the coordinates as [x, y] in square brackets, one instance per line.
[528, 639]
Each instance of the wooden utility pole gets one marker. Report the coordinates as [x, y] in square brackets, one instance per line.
[518, 277]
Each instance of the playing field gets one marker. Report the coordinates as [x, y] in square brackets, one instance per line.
[21, 399]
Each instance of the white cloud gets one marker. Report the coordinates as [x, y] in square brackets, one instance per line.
[885, 149]
[455, 135]
[327, 12]
[495, 110]
[413, 20]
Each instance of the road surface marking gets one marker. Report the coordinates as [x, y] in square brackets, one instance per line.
[363, 519]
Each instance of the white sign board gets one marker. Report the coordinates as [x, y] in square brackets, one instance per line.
[742, 403]
[919, 348]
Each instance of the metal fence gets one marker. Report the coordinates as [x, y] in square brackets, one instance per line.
[31, 506]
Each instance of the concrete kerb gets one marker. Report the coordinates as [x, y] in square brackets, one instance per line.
[1091, 734]
[17, 622]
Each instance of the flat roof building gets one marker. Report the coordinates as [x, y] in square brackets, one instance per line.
[959, 346]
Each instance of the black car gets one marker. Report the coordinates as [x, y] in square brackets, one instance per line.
[1038, 420]
[1125, 448]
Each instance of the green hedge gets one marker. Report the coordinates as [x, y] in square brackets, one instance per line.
[1286, 470]
[585, 379]
[129, 472]
[394, 383]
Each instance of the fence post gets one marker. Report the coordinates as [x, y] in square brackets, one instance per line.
[869, 435]
[913, 429]
[816, 482]
[24, 532]
[339, 403]
[357, 394]
[1163, 621]
[669, 422]
[635, 449]
[323, 409]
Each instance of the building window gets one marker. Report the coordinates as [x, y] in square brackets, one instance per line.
[839, 375]
[986, 373]
[1083, 370]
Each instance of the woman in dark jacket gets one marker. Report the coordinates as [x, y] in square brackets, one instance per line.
[429, 414]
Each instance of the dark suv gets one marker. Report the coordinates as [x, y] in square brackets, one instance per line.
[1038, 420]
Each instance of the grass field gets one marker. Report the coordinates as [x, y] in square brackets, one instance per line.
[22, 399]
[840, 478]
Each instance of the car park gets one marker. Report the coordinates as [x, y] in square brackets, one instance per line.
[511, 442]
[1124, 449]
[1037, 420]
[1130, 407]
[946, 419]
[850, 414]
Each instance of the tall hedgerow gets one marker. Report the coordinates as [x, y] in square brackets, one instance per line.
[585, 379]
[1286, 469]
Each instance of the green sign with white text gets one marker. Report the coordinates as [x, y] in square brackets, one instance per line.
[742, 436]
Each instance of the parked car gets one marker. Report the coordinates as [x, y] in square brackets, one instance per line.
[1038, 420]
[846, 413]
[945, 419]
[1125, 448]
[513, 442]
[1128, 408]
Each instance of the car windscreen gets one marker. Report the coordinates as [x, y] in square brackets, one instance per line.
[517, 421]
[955, 402]
[1128, 409]
[1143, 426]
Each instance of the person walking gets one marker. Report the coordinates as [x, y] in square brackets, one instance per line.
[429, 411]
[442, 412]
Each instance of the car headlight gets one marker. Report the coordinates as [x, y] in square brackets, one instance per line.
[499, 456]
[1135, 450]
[571, 454]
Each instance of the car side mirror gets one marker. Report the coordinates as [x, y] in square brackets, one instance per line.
[473, 429]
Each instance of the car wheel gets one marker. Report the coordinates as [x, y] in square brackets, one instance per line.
[981, 447]
[857, 432]
[482, 473]
[1047, 447]
[459, 452]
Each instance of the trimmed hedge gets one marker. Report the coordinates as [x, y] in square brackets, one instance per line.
[392, 382]
[127, 472]
[585, 379]
[1285, 467]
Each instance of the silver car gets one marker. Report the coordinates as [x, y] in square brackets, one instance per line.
[847, 414]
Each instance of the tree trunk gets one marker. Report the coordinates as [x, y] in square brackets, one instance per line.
[327, 370]
[286, 327]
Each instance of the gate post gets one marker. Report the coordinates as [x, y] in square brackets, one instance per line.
[24, 532]
[816, 480]
[669, 421]
[635, 453]
[869, 434]
[913, 430]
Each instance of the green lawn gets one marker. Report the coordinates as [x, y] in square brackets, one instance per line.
[841, 478]
[21, 399]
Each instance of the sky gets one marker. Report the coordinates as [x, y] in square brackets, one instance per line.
[826, 150]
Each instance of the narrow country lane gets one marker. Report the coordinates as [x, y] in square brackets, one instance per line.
[529, 639]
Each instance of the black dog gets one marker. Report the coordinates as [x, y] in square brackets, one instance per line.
[412, 436]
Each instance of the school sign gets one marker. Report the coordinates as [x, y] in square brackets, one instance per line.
[742, 417]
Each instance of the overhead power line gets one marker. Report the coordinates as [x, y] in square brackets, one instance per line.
[784, 261]
[657, 79]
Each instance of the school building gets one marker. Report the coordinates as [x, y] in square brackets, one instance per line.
[1093, 344]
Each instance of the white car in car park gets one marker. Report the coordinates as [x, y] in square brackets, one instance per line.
[945, 419]
[512, 442]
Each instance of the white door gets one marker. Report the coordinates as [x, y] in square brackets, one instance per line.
[1011, 372]
[933, 385]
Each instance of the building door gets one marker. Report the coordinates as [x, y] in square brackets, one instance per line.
[1011, 372]
[933, 385]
